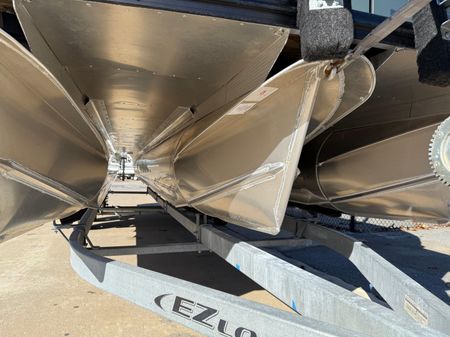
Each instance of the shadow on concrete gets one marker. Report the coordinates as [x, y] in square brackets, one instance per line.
[204, 268]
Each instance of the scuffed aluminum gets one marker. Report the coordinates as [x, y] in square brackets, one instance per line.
[185, 70]
[345, 92]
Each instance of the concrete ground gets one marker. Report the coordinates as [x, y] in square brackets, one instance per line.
[40, 295]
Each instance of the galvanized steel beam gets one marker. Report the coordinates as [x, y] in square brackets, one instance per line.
[306, 293]
[205, 310]
[400, 291]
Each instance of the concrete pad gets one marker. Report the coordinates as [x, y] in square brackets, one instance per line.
[40, 295]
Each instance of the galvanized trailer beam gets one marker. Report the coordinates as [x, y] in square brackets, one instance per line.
[306, 293]
[340, 312]
[400, 291]
[208, 311]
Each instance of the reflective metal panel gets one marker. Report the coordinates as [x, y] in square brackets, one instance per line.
[239, 163]
[52, 163]
[399, 96]
[389, 177]
[365, 169]
[376, 162]
[178, 91]
[144, 64]
[428, 201]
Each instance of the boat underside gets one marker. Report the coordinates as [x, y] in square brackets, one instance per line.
[217, 114]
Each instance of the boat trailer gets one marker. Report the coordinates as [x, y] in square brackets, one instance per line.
[319, 307]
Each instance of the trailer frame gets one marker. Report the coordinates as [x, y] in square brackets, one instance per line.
[319, 307]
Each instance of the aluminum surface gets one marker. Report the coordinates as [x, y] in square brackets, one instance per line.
[239, 163]
[176, 99]
[241, 167]
[341, 95]
[52, 161]
[391, 177]
[142, 64]
[399, 96]
[375, 162]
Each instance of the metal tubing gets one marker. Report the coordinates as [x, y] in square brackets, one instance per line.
[135, 210]
[150, 249]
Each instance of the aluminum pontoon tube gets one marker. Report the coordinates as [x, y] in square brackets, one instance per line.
[391, 177]
[376, 162]
[52, 160]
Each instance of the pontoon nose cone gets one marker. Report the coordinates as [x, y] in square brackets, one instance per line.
[242, 166]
